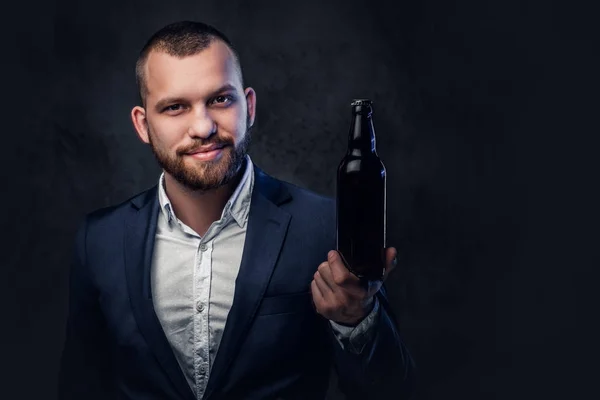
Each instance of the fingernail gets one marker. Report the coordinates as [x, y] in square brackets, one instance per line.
[331, 254]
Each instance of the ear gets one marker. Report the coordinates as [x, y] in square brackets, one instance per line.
[138, 117]
[251, 103]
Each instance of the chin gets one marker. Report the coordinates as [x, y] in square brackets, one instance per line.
[205, 179]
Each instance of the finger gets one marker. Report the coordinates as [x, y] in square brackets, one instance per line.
[327, 275]
[326, 291]
[345, 283]
[325, 272]
[317, 295]
[391, 260]
[340, 274]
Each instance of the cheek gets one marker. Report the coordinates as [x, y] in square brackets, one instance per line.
[166, 134]
[234, 121]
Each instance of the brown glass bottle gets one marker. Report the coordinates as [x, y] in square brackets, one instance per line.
[361, 198]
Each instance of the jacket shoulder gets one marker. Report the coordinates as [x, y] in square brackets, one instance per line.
[315, 211]
[309, 197]
[116, 212]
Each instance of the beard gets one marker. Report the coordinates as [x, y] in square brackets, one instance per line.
[204, 175]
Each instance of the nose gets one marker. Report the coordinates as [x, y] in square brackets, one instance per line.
[202, 124]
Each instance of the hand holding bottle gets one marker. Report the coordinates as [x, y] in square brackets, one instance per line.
[342, 297]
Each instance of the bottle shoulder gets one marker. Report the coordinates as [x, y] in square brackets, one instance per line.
[353, 164]
[364, 157]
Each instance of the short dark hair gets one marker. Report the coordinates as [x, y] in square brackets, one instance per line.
[180, 39]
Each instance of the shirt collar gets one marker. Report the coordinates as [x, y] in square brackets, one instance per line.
[238, 205]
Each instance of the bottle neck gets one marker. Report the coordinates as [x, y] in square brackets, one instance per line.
[361, 139]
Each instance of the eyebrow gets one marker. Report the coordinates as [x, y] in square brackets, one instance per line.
[169, 100]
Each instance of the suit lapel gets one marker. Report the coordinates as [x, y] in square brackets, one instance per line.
[139, 244]
[266, 230]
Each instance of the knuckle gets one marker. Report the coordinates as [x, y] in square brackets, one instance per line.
[340, 279]
[322, 266]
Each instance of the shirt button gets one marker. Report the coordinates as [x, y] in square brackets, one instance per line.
[203, 247]
[202, 370]
[199, 306]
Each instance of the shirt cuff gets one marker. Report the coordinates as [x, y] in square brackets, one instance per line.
[355, 338]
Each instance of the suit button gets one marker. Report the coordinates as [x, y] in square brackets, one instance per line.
[199, 306]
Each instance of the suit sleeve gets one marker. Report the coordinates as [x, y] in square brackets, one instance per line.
[383, 369]
[85, 361]
[355, 338]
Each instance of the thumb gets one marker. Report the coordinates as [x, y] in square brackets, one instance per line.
[391, 260]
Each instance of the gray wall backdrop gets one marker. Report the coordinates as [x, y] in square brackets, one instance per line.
[484, 119]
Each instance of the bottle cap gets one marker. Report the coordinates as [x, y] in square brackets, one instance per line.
[361, 102]
[362, 106]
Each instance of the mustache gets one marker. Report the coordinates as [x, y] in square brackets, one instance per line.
[197, 145]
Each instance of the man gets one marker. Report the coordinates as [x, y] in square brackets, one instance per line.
[219, 282]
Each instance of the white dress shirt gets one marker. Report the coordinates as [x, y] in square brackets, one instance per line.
[193, 283]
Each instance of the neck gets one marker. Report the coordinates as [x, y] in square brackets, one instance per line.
[199, 209]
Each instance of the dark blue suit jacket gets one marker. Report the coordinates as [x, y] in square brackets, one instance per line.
[274, 346]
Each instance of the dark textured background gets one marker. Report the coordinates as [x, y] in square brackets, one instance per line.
[485, 114]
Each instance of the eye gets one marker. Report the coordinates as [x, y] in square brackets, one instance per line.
[223, 99]
[173, 107]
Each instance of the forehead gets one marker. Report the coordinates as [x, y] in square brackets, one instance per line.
[207, 70]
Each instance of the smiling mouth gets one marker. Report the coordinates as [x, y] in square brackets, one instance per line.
[207, 155]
